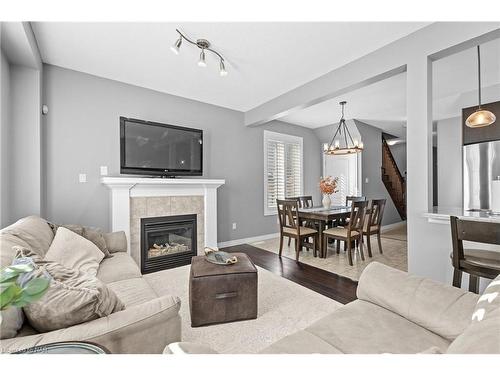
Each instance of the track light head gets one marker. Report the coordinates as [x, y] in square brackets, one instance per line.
[175, 48]
[222, 71]
[202, 62]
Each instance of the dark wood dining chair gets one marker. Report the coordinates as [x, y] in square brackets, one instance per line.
[348, 202]
[352, 198]
[288, 214]
[476, 262]
[352, 233]
[305, 201]
[373, 223]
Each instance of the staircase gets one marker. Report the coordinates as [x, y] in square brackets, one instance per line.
[393, 180]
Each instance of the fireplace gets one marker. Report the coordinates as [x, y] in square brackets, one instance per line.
[167, 242]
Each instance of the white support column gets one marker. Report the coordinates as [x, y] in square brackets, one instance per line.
[211, 214]
[419, 161]
[120, 209]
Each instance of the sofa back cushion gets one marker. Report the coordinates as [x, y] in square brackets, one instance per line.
[74, 251]
[483, 334]
[34, 231]
[440, 308]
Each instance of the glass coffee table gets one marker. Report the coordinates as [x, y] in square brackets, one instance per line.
[66, 347]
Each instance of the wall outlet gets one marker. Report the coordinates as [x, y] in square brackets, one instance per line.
[104, 170]
[366, 180]
[234, 226]
[82, 177]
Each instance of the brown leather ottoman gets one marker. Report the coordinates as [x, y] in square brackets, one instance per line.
[220, 294]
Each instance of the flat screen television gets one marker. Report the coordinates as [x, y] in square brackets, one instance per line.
[151, 148]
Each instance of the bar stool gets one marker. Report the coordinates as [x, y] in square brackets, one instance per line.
[476, 262]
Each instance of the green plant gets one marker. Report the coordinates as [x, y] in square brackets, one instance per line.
[12, 293]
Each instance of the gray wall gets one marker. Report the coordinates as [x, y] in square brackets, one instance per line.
[449, 162]
[399, 153]
[4, 141]
[371, 161]
[82, 134]
[25, 174]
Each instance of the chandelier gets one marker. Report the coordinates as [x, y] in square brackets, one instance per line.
[480, 117]
[342, 142]
[204, 45]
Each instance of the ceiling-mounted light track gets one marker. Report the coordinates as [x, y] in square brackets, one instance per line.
[204, 45]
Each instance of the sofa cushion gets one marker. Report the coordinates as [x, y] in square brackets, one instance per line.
[440, 308]
[33, 230]
[133, 292]
[74, 251]
[73, 297]
[483, 334]
[95, 235]
[120, 267]
[7, 251]
[116, 241]
[364, 328]
[301, 342]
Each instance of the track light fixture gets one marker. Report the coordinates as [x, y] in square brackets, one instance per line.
[204, 45]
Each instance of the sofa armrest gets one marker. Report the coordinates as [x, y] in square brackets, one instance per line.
[144, 328]
[442, 309]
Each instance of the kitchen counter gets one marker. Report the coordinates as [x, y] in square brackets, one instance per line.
[441, 215]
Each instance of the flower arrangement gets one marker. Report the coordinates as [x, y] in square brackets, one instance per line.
[328, 185]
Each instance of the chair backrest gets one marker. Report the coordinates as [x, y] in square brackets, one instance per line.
[376, 212]
[358, 213]
[474, 231]
[305, 201]
[288, 212]
[351, 198]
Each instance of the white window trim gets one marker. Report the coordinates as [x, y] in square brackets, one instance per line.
[273, 136]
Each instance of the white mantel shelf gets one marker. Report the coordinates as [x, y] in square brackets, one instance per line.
[125, 187]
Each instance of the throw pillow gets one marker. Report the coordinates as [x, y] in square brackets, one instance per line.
[116, 241]
[73, 297]
[74, 251]
[95, 235]
[78, 229]
[482, 336]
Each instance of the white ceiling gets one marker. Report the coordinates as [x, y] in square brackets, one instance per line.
[383, 104]
[265, 60]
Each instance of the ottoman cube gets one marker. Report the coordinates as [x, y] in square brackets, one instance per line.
[222, 293]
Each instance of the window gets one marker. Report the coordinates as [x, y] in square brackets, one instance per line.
[282, 168]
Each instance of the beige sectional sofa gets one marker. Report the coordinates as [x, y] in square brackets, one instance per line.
[401, 313]
[148, 323]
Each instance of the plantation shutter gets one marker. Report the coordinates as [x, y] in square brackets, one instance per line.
[283, 165]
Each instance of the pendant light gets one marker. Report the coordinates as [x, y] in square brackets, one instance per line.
[342, 142]
[481, 117]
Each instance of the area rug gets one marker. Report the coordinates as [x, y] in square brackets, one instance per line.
[284, 307]
[397, 233]
[394, 255]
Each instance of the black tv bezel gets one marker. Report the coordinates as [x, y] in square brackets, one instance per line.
[156, 171]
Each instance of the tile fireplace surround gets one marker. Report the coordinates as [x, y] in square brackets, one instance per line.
[133, 198]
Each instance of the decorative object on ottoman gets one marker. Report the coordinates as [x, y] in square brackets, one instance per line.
[188, 348]
[219, 257]
[220, 294]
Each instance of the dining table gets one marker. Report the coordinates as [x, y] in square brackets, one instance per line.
[322, 217]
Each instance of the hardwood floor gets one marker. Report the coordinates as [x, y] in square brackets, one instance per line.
[329, 284]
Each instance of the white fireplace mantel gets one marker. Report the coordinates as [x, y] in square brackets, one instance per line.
[123, 188]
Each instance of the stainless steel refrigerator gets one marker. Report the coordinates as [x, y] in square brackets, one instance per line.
[481, 176]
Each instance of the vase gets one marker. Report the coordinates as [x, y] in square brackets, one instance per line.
[327, 202]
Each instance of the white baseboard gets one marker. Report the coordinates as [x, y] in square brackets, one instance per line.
[392, 226]
[242, 241]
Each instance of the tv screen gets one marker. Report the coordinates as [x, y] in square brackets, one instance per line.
[151, 148]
